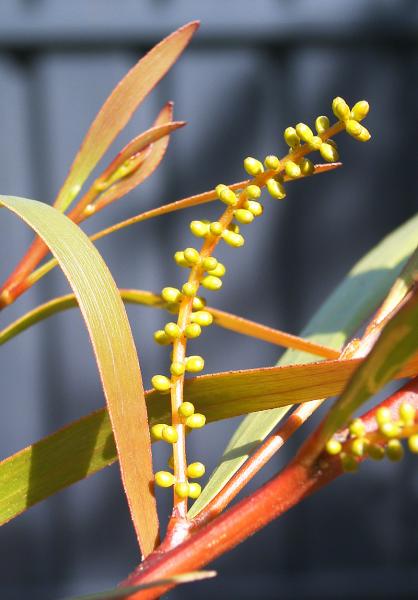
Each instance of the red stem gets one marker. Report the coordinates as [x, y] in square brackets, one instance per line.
[297, 481]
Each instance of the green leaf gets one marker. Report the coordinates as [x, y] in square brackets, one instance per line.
[87, 445]
[122, 592]
[119, 107]
[337, 320]
[396, 344]
[115, 353]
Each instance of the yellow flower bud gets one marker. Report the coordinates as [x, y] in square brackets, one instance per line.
[333, 447]
[186, 409]
[340, 109]
[180, 260]
[228, 197]
[357, 131]
[276, 189]
[291, 137]
[315, 143]
[196, 470]
[218, 271]
[194, 490]
[161, 383]
[194, 364]
[171, 294]
[358, 446]
[220, 188]
[292, 169]
[169, 434]
[253, 191]
[383, 415]
[357, 428]
[211, 282]
[304, 132]
[407, 413]
[244, 216]
[209, 263]
[157, 431]
[360, 110]
[233, 239]
[182, 489]
[306, 166]
[170, 462]
[394, 450]
[272, 162]
[192, 330]
[390, 430]
[199, 303]
[172, 330]
[164, 479]
[328, 152]
[199, 229]
[413, 443]
[177, 368]
[321, 124]
[216, 228]
[202, 317]
[253, 166]
[192, 256]
[196, 421]
[254, 207]
[189, 289]
[161, 337]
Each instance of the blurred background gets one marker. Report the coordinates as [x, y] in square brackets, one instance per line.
[253, 69]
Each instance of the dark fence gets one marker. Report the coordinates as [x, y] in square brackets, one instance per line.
[254, 68]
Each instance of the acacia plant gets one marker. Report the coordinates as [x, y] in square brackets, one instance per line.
[315, 366]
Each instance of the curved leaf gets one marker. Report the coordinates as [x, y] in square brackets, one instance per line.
[145, 298]
[396, 344]
[113, 345]
[119, 107]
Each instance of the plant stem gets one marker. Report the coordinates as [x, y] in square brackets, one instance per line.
[297, 481]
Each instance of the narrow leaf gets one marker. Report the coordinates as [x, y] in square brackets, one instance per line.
[396, 344]
[150, 163]
[111, 337]
[119, 107]
[336, 321]
[145, 298]
[86, 446]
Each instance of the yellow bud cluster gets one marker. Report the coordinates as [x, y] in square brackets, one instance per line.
[351, 118]
[359, 445]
